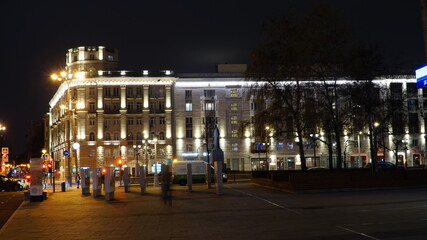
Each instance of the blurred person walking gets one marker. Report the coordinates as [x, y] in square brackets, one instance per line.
[166, 178]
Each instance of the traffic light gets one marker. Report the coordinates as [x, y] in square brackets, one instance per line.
[49, 167]
[44, 166]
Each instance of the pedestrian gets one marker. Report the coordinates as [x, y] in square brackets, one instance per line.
[78, 181]
[166, 178]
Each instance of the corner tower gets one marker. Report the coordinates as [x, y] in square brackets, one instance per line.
[91, 59]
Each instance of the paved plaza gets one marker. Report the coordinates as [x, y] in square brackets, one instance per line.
[244, 211]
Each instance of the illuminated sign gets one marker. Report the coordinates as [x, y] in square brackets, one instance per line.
[189, 154]
[421, 75]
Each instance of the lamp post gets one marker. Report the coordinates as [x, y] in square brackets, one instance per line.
[156, 178]
[76, 146]
[315, 137]
[2, 163]
[137, 148]
[358, 146]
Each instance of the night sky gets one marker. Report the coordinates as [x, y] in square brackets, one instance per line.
[182, 35]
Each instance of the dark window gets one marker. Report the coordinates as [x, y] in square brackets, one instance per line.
[413, 123]
[209, 93]
[411, 89]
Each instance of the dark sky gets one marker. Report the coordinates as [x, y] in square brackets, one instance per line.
[182, 35]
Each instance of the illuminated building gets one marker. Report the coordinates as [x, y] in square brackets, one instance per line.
[108, 111]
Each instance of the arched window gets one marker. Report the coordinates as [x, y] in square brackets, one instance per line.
[107, 136]
[92, 136]
[161, 136]
[138, 136]
[116, 136]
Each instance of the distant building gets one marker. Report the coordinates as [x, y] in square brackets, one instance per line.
[147, 116]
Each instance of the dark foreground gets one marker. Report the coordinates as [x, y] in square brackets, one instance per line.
[244, 211]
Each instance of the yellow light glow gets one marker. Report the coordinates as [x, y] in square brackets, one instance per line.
[80, 105]
[54, 77]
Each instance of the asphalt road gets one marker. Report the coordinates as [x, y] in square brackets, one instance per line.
[365, 214]
[9, 202]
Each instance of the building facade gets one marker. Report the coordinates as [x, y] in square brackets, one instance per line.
[144, 117]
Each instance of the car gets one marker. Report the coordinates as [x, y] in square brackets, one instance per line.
[317, 169]
[10, 185]
[384, 165]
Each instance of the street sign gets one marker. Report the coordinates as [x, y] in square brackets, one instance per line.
[45, 156]
[421, 75]
[66, 153]
[5, 150]
[5, 158]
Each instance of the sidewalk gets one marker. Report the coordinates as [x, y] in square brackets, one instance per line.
[200, 214]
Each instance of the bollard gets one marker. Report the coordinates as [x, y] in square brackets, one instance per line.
[189, 177]
[63, 187]
[142, 179]
[218, 177]
[97, 182]
[208, 175]
[85, 180]
[126, 179]
[109, 183]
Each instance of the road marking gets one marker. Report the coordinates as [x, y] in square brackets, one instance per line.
[356, 232]
[265, 200]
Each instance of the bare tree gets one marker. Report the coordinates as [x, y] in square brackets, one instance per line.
[294, 52]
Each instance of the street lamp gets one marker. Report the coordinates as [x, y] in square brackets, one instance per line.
[358, 146]
[315, 137]
[156, 178]
[137, 147]
[76, 146]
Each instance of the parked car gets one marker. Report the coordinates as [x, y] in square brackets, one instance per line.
[384, 165]
[317, 169]
[8, 185]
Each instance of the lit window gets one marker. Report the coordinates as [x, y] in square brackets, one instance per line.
[209, 106]
[234, 133]
[233, 120]
[145, 72]
[234, 147]
[234, 107]
[188, 107]
[110, 58]
[234, 93]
